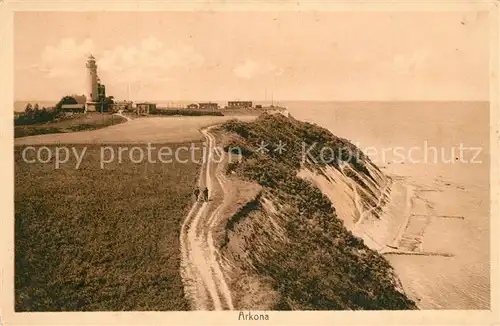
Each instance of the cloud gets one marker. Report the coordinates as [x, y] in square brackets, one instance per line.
[59, 61]
[250, 69]
[150, 59]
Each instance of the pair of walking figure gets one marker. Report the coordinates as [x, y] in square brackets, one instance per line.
[197, 194]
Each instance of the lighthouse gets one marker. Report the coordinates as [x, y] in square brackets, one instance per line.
[92, 90]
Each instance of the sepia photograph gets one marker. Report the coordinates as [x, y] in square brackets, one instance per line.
[252, 161]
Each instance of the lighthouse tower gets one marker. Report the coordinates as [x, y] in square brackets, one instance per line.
[91, 92]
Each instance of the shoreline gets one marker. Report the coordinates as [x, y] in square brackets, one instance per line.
[386, 232]
[384, 235]
[431, 247]
[456, 190]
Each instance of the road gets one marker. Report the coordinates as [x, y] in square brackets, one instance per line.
[119, 114]
[204, 281]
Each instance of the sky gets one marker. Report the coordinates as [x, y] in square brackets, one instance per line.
[219, 56]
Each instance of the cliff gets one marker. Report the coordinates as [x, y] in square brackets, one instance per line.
[295, 245]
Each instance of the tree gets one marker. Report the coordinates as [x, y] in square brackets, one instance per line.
[28, 111]
[36, 113]
[108, 100]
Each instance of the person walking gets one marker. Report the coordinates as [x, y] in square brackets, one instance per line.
[205, 193]
[196, 193]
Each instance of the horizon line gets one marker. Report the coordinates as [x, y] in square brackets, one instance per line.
[303, 100]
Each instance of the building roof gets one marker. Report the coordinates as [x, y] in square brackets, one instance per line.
[73, 106]
[80, 99]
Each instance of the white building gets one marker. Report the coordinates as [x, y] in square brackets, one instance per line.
[92, 87]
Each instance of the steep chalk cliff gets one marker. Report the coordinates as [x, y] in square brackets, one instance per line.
[299, 242]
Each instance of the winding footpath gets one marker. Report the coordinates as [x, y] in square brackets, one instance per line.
[123, 116]
[202, 274]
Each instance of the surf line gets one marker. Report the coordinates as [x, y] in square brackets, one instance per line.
[442, 216]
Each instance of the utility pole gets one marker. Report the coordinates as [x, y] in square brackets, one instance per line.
[128, 91]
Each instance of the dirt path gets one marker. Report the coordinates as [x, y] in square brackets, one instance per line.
[204, 281]
[123, 116]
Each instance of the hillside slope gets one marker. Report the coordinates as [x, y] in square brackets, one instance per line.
[290, 241]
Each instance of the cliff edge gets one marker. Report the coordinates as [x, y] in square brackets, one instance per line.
[294, 243]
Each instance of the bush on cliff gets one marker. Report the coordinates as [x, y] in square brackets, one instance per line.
[322, 265]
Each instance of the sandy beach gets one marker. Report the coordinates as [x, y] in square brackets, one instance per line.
[448, 215]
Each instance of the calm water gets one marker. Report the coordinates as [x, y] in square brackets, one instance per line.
[460, 282]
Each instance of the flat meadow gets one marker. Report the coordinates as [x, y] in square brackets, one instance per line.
[151, 129]
[77, 122]
[100, 239]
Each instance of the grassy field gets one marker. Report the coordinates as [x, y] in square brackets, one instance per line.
[78, 122]
[142, 130]
[93, 239]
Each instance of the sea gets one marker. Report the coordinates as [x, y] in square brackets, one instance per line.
[388, 131]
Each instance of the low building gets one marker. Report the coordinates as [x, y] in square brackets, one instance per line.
[208, 106]
[80, 99]
[78, 104]
[145, 108]
[239, 104]
[92, 107]
[123, 106]
[192, 106]
[73, 107]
